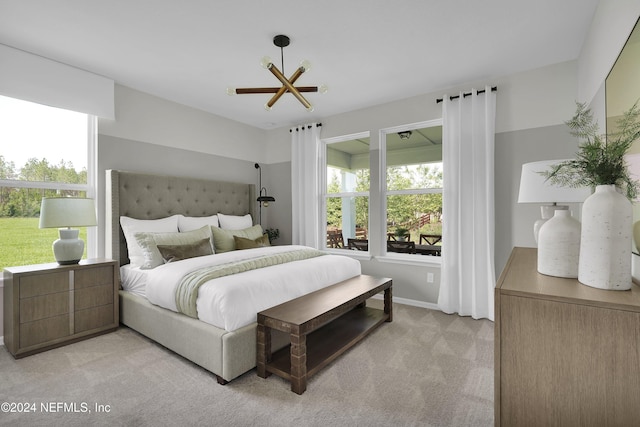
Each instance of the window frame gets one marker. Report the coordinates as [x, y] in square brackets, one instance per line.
[90, 188]
[386, 256]
[325, 142]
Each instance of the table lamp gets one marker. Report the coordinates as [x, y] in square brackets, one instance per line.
[534, 188]
[60, 212]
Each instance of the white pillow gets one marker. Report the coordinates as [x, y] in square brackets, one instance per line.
[131, 226]
[190, 223]
[235, 222]
[149, 243]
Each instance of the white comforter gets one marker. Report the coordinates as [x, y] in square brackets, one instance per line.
[232, 302]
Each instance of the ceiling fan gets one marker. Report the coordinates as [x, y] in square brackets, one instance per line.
[282, 41]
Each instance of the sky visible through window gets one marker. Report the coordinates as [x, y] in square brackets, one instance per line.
[29, 130]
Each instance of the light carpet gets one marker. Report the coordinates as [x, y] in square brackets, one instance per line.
[425, 368]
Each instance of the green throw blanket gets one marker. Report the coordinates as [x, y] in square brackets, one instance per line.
[187, 290]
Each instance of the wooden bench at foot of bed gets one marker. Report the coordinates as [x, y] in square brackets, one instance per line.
[321, 325]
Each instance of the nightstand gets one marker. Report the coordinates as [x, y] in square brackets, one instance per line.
[51, 305]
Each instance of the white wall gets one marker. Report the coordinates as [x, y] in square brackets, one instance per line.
[147, 118]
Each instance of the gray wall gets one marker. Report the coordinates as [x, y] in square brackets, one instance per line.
[514, 222]
[124, 154]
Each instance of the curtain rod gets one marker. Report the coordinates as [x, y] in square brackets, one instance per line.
[439, 100]
[302, 127]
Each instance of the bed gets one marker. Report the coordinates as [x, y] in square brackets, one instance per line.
[225, 353]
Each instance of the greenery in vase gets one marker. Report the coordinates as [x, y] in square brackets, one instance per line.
[600, 157]
[273, 234]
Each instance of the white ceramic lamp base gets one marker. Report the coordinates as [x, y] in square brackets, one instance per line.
[546, 212]
[559, 246]
[68, 249]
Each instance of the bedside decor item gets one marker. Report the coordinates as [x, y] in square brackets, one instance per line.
[534, 188]
[559, 246]
[605, 242]
[605, 248]
[60, 212]
[273, 234]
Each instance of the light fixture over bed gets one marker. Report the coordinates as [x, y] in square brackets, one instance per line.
[263, 198]
[282, 41]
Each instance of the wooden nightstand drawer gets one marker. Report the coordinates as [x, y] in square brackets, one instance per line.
[39, 284]
[94, 296]
[94, 276]
[50, 305]
[43, 307]
[45, 330]
[97, 317]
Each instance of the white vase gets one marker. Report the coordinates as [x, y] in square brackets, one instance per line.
[605, 241]
[559, 246]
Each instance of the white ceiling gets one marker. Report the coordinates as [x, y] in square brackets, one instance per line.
[368, 52]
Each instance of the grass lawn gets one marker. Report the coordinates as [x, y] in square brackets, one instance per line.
[23, 243]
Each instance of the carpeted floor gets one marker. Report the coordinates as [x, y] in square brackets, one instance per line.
[425, 368]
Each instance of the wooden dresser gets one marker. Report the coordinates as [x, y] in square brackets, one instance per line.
[50, 305]
[565, 354]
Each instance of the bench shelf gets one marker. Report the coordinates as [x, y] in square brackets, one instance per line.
[321, 325]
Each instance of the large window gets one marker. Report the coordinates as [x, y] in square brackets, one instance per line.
[347, 192]
[403, 194]
[413, 189]
[45, 152]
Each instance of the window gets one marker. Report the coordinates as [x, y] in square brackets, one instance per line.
[413, 188]
[46, 151]
[346, 202]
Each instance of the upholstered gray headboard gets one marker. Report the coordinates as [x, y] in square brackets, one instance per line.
[145, 196]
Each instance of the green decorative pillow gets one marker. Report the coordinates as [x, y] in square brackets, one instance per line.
[223, 239]
[149, 243]
[243, 243]
[171, 253]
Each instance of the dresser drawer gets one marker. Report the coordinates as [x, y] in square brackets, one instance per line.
[42, 284]
[95, 276]
[43, 307]
[45, 330]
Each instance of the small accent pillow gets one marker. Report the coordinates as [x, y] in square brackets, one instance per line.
[172, 253]
[190, 223]
[223, 239]
[131, 226]
[243, 243]
[149, 243]
[235, 222]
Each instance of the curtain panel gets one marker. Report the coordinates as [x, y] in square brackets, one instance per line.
[305, 185]
[468, 271]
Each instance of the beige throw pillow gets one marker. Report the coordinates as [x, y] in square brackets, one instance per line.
[223, 239]
[172, 253]
[243, 243]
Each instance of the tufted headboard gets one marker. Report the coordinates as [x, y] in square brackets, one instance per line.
[145, 196]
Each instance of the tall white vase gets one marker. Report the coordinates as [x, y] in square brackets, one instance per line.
[559, 246]
[605, 241]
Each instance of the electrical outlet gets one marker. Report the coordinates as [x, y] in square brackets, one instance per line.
[429, 277]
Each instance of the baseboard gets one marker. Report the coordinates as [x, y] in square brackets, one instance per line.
[1, 341]
[412, 302]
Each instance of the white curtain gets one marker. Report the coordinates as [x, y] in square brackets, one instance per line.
[305, 184]
[468, 273]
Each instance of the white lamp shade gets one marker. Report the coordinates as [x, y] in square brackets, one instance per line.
[534, 188]
[58, 212]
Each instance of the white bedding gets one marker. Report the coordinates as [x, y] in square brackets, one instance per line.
[232, 302]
